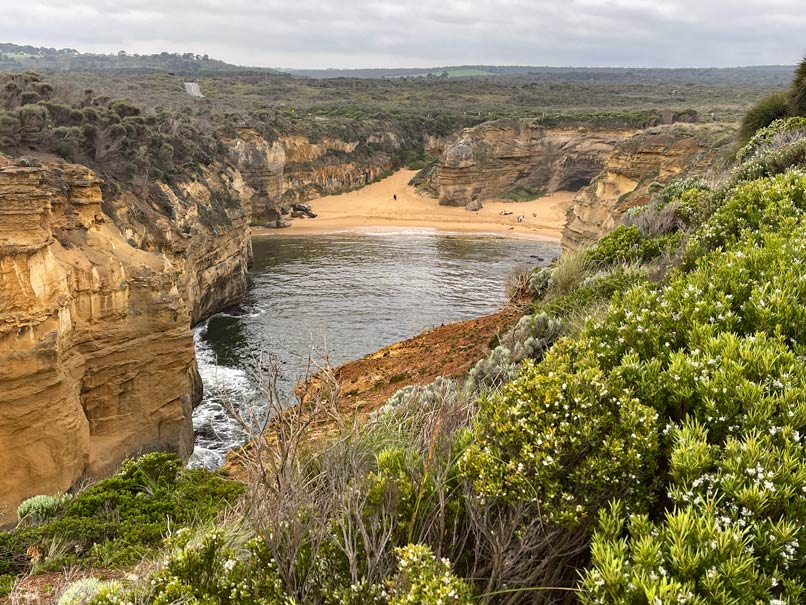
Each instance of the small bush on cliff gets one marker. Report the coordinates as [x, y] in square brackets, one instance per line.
[626, 244]
[40, 508]
[426, 580]
[765, 112]
[118, 520]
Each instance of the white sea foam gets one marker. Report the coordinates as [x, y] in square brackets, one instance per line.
[225, 389]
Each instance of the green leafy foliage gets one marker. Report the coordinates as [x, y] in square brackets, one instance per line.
[118, 520]
[426, 580]
[566, 437]
[626, 244]
[763, 113]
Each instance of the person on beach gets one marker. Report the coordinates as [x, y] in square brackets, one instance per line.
[394, 196]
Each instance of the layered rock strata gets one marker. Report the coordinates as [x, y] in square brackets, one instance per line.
[97, 359]
[655, 155]
[294, 169]
[492, 159]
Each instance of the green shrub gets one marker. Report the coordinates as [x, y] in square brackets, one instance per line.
[797, 92]
[521, 193]
[6, 584]
[85, 590]
[425, 580]
[620, 245]
[773, 161]
[626, 244]
[38, 509]
[597, 288]
[532, 336]
[767, 135]
[763, 204]
[763, 113]
[565, 437]
[120, 519]
[493, 371]
[540, 281]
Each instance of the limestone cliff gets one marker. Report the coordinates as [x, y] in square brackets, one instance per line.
[97, 358]
[201, 224]
[653, 155]
[294, 168]
[488, 160]
[100, 284]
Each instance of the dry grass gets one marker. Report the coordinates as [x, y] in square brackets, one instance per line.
[571, 269]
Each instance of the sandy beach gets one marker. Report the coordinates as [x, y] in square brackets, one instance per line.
[374, 208]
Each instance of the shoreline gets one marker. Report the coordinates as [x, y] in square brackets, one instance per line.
[365, 384]
[373, 210]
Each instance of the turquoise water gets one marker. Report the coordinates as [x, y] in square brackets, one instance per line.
[342, 296]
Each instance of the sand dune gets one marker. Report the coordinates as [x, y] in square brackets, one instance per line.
[373, 208]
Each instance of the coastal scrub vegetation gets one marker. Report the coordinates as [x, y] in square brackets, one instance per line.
[115, 522]
[782, 104]
[637, 437]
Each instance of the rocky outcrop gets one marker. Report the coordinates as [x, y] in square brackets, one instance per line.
[332, 165]
[261, 163]
[201, 225]
[492, 159]
[653, 155]
[96, 355]
[294, 168]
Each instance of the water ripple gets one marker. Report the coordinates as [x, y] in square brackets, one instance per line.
[350, 294]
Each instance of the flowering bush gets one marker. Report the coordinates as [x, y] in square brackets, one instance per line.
[718, 352]
[425, 580]
[40, 508]
[765, 136]
[566, 437]
[210, 568]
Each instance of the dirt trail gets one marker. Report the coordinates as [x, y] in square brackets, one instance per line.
[373, 208]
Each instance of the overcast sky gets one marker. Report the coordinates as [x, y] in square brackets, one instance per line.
[417, 33]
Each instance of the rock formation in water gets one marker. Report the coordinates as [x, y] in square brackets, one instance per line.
[492, 159]
[96, 355]
[653, 155]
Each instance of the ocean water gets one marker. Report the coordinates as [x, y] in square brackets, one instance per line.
[339, 297]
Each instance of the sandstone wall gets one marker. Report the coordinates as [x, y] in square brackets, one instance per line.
[96, 355]
[295, 169]
[485, 161]
[653, 155]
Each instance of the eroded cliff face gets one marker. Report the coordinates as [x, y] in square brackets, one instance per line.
[488, 160]
[653, 155]
[294, 169]
[201, 224]
[96, 355]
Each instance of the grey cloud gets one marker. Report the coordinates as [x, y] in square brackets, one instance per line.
[378, 33]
